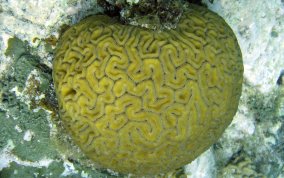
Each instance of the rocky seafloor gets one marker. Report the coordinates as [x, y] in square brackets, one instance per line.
[33, 143]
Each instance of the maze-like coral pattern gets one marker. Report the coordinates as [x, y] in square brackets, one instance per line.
[144, 101]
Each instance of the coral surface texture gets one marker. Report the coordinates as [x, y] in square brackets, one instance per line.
[145, 102]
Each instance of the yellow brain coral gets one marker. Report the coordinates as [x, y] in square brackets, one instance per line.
[143, 101]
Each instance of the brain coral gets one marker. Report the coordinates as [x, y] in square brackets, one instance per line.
[145, 102]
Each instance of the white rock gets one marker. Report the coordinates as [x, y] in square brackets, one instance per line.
[131, 2]
[40, 19]
[69, 169]
[202, 167]
[254, 22]
[242, 125]
[18, 129]
[28, 135]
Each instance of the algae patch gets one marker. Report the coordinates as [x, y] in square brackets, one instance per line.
[16, 114]
[27, 103]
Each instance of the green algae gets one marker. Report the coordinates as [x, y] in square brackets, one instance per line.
[16, 114]
[18, 171]
[22, 110]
